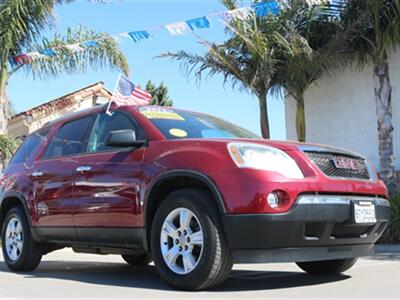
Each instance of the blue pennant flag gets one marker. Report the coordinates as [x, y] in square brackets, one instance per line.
[264, 8]
[48, 52]
[140, 35]
[199, 23]
[89, 44]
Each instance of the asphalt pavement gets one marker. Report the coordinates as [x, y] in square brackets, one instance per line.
[65, 274]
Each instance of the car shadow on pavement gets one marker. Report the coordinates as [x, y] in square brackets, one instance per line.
[119, 274]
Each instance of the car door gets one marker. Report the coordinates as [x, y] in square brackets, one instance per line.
[107, 187]
[52, 177]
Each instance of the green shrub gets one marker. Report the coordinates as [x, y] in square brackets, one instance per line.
[394, 224]
[7, 146]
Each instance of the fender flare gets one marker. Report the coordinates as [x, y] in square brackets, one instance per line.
[181, 173]
[21, 198]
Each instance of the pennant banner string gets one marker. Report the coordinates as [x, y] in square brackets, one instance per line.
[262, 9]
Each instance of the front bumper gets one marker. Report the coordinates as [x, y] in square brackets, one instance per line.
[316, 227]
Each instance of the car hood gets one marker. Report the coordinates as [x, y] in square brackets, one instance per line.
[282, 145]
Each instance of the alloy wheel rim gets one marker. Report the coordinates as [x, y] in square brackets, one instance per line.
[182, 241]
[14, 239]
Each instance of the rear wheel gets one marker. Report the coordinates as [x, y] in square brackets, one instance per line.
[137, 260]
[187, 243]
[20, 251]
[327, 267]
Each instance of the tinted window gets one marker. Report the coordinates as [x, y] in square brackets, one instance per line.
[105, 124]
[29, 145]
[71, 138]
[175, 124]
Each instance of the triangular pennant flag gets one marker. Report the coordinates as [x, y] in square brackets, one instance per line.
[265, 8]
[37, 55]
[89, 44]
[241, 14]
[179, 28]
[49, 52]
[23, 59]
[199, 23]
[140, 35]
[74, 47]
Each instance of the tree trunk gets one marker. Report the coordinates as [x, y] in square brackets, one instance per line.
[300, 120]
[383, 102]
[264, 122]
[3, 98]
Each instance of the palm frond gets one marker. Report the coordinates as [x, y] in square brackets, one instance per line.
[22, 21]
[104, 54]
[368, 29]
[230, 4]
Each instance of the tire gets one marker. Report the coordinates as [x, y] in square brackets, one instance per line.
[28, 254]
[137, 260]
[327, 267]
[211, 259]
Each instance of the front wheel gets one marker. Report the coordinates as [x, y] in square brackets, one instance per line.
[188, 247]
[327, 267]
[20, 251]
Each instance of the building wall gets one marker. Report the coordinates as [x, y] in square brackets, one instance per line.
[340, 111]
[23, 124]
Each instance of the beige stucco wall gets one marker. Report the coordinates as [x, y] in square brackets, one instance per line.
[340, 110]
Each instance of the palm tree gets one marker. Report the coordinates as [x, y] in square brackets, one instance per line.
[159, 94]
[246, 59]
[309, 30]
[21, 24]
[371, 28]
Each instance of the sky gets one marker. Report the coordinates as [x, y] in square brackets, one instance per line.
[208, 96]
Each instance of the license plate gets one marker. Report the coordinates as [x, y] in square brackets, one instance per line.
[364, 212]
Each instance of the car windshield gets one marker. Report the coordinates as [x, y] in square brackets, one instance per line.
[176, 124]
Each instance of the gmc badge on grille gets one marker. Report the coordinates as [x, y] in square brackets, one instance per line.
[347, 163]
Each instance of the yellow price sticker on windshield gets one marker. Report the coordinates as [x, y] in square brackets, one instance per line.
[162, 115]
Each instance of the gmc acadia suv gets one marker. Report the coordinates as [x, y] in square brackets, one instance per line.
[189, 191]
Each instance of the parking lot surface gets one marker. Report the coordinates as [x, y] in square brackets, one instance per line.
[64, 274]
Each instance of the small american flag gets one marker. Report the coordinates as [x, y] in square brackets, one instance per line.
[126, 93]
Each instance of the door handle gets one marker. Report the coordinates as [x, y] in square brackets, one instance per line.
[37, 174]
[83, 169]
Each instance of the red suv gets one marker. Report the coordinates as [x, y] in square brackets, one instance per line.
[189, 191]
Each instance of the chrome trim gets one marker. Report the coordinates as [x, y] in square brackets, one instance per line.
[330, 149]
[83, 169]
[37, 174]
[337, 199]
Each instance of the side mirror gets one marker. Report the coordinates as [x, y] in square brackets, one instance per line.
[123, 139]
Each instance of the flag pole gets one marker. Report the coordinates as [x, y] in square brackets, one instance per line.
[111, 100]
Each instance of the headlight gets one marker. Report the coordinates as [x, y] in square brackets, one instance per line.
[255, 156]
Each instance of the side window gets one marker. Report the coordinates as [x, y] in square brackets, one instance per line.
[70, 139]
[105, 124]
[29, 145]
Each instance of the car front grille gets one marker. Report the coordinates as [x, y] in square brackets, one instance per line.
[325, 161]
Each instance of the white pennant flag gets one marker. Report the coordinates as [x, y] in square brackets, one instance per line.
[241, 14]
[314, 2]
[36, 55]
[74, 47]
[179, 28]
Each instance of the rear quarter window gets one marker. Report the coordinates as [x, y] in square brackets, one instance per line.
[30, 145]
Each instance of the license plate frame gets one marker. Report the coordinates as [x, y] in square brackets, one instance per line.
[364, 212]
